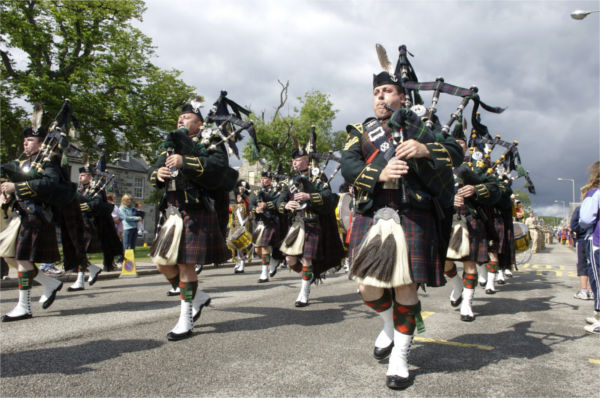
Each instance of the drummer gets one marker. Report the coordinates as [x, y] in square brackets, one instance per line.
[266, 233]
[239, 232]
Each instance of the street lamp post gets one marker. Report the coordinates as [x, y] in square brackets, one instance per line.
[572, 182]
[580, 14]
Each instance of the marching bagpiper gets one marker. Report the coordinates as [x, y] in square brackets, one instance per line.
[266, 232]
[472, 230]
[191, 234]
[31, 237]
[312, 244]
[401, 190]
[100, 234]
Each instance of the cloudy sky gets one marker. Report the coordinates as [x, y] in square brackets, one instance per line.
[529, 56]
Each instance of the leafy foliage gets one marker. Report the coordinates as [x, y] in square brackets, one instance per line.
[89, 52]
[315, 109]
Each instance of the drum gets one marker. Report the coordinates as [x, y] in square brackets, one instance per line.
[240, 239]
[523, 250]
[522, 237]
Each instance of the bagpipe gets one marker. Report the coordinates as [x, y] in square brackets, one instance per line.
[506, 163]
[54, 145]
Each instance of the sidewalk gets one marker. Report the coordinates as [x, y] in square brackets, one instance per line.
[142, 268]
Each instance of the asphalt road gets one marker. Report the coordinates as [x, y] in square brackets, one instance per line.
[110, 340]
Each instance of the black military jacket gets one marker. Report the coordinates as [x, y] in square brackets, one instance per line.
[362, 163]
[268, 196]
[201, 171]
[320, 202]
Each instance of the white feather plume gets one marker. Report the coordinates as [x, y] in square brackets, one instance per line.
[384, 61]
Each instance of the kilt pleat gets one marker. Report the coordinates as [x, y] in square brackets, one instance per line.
[201, 238]
[36, 241]
[311, 240]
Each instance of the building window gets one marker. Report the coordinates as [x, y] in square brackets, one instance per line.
[138, 189]
[252, 178]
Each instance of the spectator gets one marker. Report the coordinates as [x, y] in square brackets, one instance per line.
[584, 292]
[129, 222]
[139, 211]
[588, 219]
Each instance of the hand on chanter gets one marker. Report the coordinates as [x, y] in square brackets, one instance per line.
[292, 205]
[466, 191]
[393, 170]
[459, 201]
[174, 160]
[163, 173]
[412, 149]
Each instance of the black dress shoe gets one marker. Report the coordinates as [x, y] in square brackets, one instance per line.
[456, 303]
[171, 293]
[501, 282]
[7, 318]
[272, 273]
[206, 304]
[482, 284]
[262, 280]
[300, 304]
[46, 304]
[467, 318]
[384, 352]
[490, 291]
[397, 382]
[238, 271]
[74, 289]
[179, 336]
[199, 267]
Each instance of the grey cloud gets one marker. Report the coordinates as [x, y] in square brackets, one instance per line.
[530, 56]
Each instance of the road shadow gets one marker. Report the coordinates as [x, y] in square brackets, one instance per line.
[69, 360]
[131, 306]
[272, 317]
[517, 342]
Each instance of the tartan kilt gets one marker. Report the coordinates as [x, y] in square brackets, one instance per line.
[270, 236]
[70, 220]
[426, 264]
[201, 239]
[311, 240]
[36, 241]
[478, 243]
[498, 223]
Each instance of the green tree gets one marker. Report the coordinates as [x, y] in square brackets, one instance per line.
[314, 109]
[89, 52]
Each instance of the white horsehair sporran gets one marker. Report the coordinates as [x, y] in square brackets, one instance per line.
[258, 233]
[382, 258]
[458, 247]
[8, 238]
[293, 244]
[165, 248]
